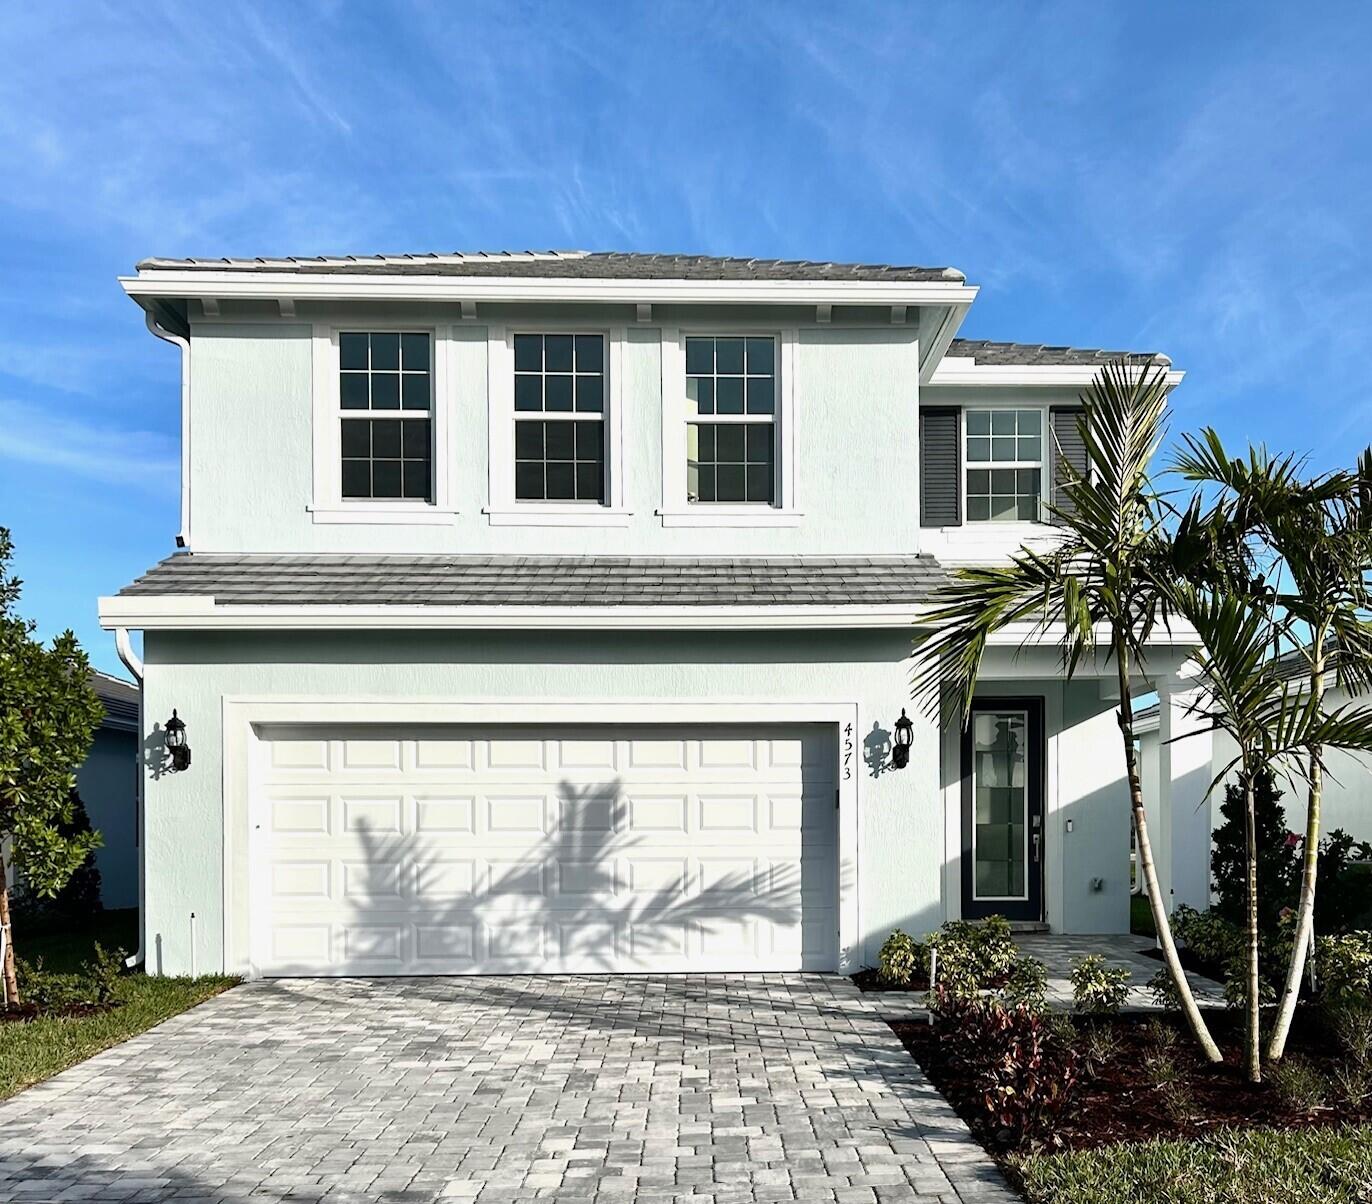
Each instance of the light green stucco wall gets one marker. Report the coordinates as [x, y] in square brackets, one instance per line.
[900, 814]
[854, 423]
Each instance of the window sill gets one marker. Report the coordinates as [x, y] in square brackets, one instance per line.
[555, 514]
[711, 515]
[382, 514]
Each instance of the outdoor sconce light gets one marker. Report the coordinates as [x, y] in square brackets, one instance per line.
[905, 736]
[177, 748]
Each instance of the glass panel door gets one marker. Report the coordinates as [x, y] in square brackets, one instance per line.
[1000, 803]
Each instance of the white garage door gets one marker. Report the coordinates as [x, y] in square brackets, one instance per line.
[474, 851]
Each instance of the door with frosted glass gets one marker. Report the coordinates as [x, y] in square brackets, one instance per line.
[1002, 810]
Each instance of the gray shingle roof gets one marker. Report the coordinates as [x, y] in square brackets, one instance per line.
[984, 351]
[589, 265]
[119, 698]
[441, 580]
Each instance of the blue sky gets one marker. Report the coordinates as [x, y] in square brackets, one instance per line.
[1195, 179]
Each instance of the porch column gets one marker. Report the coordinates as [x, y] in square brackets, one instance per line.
[1182, 846]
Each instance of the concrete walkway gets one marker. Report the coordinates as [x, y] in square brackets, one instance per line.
[718, 1089]
[1129, 952]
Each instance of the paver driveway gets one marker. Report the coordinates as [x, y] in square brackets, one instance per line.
[714, 1088]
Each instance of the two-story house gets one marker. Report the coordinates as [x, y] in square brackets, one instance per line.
[554, 612]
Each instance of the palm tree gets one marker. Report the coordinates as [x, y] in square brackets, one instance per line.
[1272, 722]
[1320, 534]
[1100, 585]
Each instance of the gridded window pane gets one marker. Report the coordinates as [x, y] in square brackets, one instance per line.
[731, 462]
[1006, 448]
[1000, 802]
[733, 379]
[386, 458]
[386, 373]
[559, 460]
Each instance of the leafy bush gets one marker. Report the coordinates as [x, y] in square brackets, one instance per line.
[1098, 989]
[1025, 1070]
[1164, 991]
[1343, 969]
[1025, 985]
[1207, 934]
[93, 985]
[900, 956]
[1344, 899]
[1278, 857]
[1298, 1084]
[973, 954]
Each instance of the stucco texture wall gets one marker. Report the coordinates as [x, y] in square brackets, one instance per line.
[900, 816]
[251, 458]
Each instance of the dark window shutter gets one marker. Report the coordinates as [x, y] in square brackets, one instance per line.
[940, 460]
[1068, 447]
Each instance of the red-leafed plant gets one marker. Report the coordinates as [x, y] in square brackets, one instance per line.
[1022, 1060]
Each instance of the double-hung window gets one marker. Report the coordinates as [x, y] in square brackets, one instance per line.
[731, 402]
[1004, 465]
[385, 398]
[559, 417]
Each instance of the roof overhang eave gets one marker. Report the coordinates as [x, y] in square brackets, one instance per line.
[153, 285]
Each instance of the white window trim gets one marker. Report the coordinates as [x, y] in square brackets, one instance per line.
[327, 504]
[503, 509]
[676, 511]
[993, 526]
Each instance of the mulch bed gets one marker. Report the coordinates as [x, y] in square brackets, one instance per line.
[1121, 1103]
[869, 981]
[24, 1012]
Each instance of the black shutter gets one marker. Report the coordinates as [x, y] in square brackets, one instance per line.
[1068, 447]
[940, 472]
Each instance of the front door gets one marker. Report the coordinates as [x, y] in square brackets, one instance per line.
[1002, 809]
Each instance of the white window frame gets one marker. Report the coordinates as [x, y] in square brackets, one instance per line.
[503, 509]
[676, 510]
[983, 524]
[327, 504]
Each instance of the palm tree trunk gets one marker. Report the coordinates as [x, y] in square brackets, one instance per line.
[1252, 1052]
[10, 975]
[1161, 922]
[1310, 862]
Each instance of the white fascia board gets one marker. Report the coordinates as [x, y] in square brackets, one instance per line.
[961, 371]
[199, 612]
[271, 286]
[1027, 635]
[933, 348]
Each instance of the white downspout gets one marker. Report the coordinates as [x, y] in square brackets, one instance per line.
[135, 666]
[183, 539]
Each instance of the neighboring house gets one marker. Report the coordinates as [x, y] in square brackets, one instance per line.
[108, 785]
[1346, 801]
[553, 612]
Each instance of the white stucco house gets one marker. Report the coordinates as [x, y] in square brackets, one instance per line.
[553, 612]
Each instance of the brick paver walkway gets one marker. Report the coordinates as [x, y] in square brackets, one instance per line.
[704, 1089]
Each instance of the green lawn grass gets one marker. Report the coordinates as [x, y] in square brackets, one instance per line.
[1251, 1166]
[1141, 916]
[33, 1050]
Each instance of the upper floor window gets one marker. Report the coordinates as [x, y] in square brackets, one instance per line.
[731, 419]
[559, 403]
[1004, 465]
[385, 395]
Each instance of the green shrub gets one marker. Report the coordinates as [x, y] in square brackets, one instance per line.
[1098, 989]
[1097, 1044]
[94, 984]
[1025, 985]
[901, 955]
[1207, 934]
[1298, 1084]
[973, 954]
[1025, 1071]
[1164, 991]
[1343, 969]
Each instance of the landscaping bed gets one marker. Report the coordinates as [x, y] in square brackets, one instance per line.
[1143, 1078]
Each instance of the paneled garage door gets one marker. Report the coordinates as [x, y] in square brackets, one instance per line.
[473, 851]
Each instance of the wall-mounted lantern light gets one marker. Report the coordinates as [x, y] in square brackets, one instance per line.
[177, 748]
[905, 736]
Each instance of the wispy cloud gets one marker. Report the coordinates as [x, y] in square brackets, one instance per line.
[143, 460]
